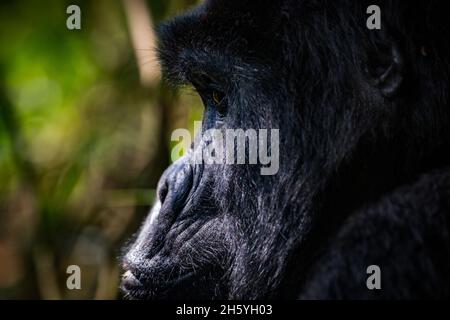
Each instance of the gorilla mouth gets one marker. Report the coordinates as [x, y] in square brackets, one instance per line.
[131, 285]
[138, 287]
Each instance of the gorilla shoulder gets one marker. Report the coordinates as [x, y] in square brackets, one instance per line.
[405, 234]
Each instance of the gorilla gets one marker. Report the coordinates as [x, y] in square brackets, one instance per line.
[364, 175]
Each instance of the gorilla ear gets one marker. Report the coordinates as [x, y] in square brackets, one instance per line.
[385, 69]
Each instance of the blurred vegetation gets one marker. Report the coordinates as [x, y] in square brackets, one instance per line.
[82, 143]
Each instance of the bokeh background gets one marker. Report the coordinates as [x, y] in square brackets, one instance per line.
[85, 125]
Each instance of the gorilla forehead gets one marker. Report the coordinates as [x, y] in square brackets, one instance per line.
[219, 34]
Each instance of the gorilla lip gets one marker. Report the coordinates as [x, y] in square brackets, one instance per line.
[130, 282]
[136, 288]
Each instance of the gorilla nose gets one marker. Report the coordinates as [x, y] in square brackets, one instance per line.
[175, 187]
[173, 191]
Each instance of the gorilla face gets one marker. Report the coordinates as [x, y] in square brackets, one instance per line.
[334, 90]
[188, 245]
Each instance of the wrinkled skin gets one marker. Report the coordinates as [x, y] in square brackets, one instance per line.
[183, 250]
[361, 113]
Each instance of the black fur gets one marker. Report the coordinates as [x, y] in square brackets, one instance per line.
[353, 147]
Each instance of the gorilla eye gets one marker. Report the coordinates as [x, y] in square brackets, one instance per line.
[217, 97]
[208, 90]
[218, 100]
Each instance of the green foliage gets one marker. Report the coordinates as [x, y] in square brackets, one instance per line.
[82, 143]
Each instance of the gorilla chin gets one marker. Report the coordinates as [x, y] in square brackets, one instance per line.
[364, 155]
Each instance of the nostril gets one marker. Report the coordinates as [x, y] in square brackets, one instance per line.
[163, 191]
[178, 180]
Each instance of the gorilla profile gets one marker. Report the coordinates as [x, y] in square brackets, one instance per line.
[364, 120]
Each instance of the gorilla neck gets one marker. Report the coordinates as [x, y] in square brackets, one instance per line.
[370, 174]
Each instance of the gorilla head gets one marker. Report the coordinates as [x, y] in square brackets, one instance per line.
[360, 112]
